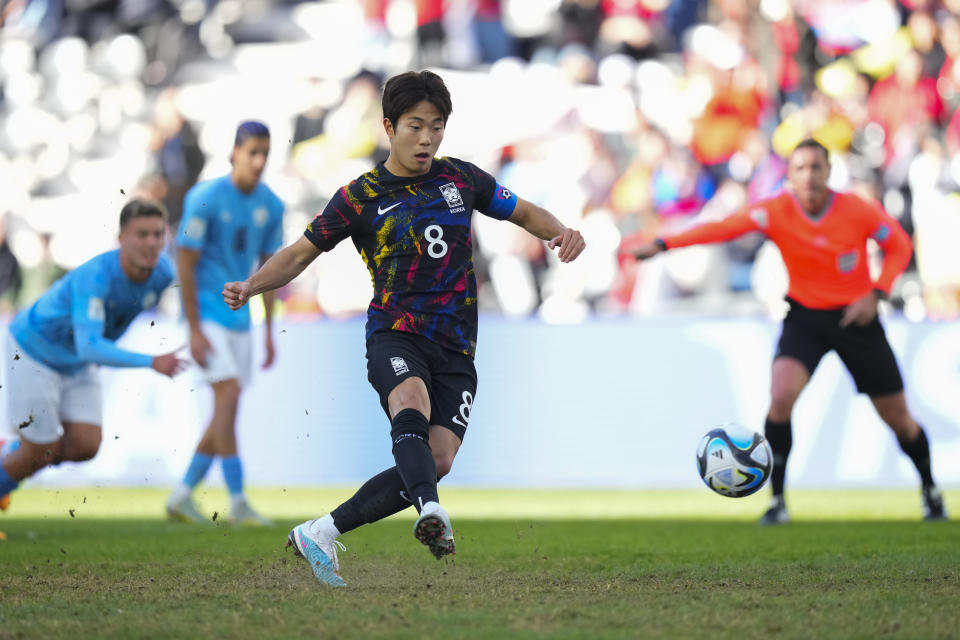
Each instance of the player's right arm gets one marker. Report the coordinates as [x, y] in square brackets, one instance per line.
[187, 268]
[89, 291]
[191, 237]
[281, 268]
[731, 227]
[544, 225]
[324, 232]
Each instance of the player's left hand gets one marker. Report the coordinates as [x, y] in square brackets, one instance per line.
[270, 352]
[571, 245]
[861, 312]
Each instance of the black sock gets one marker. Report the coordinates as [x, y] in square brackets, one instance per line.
[411, 452]
[918, 450]
[379, 497]
[780, 437]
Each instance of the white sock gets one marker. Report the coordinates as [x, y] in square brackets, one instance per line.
[324, 527]
[180, 492]
[237, 501]
[431, 509]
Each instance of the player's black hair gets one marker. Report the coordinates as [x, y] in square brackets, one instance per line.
[141, 209]
[810, 143]
[250, 129]
[404, 91]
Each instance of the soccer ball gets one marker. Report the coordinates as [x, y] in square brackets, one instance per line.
[734, 461]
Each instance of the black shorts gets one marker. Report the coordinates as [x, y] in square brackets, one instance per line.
[451, 378]
[808, 334]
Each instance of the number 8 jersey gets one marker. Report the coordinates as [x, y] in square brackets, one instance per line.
[414, 235]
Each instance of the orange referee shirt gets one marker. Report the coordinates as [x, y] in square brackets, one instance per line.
[826, 258]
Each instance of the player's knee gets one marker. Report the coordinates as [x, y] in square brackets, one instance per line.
[226, 394]
[82, 449]
[84, 453]
[901, 423]
[409, 394]
[410, 423]
[444, 463]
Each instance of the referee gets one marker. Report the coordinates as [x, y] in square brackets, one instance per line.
[822, 236]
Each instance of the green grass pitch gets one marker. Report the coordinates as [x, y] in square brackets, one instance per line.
[84, 563]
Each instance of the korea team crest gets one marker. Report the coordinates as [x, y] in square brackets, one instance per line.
[260, 215]
[451, 194]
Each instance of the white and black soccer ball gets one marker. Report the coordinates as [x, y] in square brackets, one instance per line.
[734, 461]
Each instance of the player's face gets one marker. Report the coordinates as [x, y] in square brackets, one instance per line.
[415, 139]
[142, 241]
[807, 172]
[249, 159]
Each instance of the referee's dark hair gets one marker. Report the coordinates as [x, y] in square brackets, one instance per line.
[141, 209]
[404, 91]
[810, 143]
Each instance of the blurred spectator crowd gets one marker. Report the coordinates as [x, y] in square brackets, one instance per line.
[626, 118]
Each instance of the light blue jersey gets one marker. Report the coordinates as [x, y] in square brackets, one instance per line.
[231, 230]
[79, 318]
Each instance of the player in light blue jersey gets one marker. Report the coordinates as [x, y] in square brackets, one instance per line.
[230, 225]
[54, 347]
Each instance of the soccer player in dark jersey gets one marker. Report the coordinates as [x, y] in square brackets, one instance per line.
[822, 236]
[409, 219]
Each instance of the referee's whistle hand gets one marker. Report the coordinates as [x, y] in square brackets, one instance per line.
[571, 245]
[236, 294]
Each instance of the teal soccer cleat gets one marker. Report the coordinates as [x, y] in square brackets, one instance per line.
[321, 555]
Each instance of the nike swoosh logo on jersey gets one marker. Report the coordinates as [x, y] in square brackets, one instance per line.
[381, 210]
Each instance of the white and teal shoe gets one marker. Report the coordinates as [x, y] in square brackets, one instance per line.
[241, 514]
[184, 510]
[433, 529]
[319, 552]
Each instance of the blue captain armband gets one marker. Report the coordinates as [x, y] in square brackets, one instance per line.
[502, 203]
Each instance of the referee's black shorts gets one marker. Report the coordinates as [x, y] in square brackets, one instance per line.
[808, 334]
[450, 377]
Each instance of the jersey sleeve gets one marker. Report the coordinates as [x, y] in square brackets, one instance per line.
[895, 243]
[733, 226]
[491, 198]
[335, 223]
[193, 225]
[273, 238]
[89, 291]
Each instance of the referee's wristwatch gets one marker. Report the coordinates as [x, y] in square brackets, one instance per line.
[881, 294]
[660, 244]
